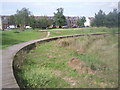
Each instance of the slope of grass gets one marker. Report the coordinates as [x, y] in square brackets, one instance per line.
[14, 36]
[47, 65]
[82, 30]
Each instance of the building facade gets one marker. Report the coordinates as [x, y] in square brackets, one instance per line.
[4, 22]
[0, 22]
[72, 20]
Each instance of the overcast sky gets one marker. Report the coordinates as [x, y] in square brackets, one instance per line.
[48, 7]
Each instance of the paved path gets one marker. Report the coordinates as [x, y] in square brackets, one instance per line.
[48, 34]
[8, 80]
[0, 69]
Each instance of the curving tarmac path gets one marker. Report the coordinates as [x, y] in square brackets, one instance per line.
[7, 78]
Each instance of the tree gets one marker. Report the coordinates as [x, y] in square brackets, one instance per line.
[93, 23]
[119, 19]
[32, 22]
[44, 22]
[12, 20]
[99, 18]
[111, 19]
[22, 17]
[59, 18]
[81, 21]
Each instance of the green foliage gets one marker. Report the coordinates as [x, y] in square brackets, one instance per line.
[22, 17]
[44, 22]
[59, 18]
[39, 77]
[108, 20]
[119, 19]
[112, 19]
[12, 20]
[99, 18]
[32, 22]
[81, 21]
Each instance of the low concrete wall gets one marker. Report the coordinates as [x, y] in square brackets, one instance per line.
[13, 57]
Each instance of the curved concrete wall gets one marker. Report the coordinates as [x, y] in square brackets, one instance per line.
[14, 55]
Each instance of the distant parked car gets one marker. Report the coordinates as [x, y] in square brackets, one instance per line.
[64, 26]
[74, 26]
[11, 27]
[54, 27]
[51, 27]
[87, 26]
[28, 27]
[44, 27]
[82, 26]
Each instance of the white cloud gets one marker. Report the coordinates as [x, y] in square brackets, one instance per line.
[112, 5]
[70, 8]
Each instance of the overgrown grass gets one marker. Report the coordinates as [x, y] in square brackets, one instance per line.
[82, 30]
[47, 65]
[12, 37]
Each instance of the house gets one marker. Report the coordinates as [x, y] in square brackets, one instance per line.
[4, 22]
[1, 23]
[71, 20]
[88, 21]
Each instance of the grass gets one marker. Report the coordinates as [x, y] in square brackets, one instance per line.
[15, 36]
[82, 30]
[50, 64]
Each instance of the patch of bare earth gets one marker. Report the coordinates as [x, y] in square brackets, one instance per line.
[80, 66]
[70, 80]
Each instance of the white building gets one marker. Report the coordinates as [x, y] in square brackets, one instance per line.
[87, 23]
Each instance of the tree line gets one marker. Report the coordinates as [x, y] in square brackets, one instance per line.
[24, 17]
[112, 19]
